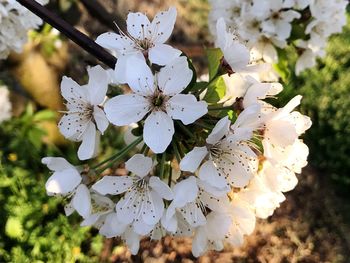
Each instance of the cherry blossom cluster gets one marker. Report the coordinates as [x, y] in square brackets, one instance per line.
[201, 170]
[5, 104]
[15, 22]
[269, 25]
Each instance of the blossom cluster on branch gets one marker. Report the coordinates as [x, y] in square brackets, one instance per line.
[269, 26]
[208, 165]
[15, 22]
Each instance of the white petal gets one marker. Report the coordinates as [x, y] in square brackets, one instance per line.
[122, 45]
[100, 119]
[153, 210]
[281, 133]
[185, 191]
[237, 56]
[126, 109]
[175, 77]
[98, 84]
[161, 188]
[163, 25]
[192, 160]
[210, 174]
[63, 182]
[113, 185]
[139, 165]
[89, 145]
[72, 91]
[112, 227]
[139, 76]
[158, 131]
[162, 54]
[69, 209]
[81, 201]
[132, 240]
[125, 208]
[270, 53]
[141, 228]
[170, 224]
[90, 220]
[72, 126]
[200, 242]
[219, 131]
[56, 163]
[186, 108]
[138, 25]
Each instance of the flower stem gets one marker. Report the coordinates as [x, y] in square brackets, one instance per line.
[162, 166]
[219, 108]
[185, 129]
[70, 32]
[176, 151]
[170, 178]
[117, 156]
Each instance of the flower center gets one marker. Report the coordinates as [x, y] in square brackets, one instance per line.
[158, 101]
[215, 150]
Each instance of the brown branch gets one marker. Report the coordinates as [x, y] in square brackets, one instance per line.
[70, 32]
[98, 11]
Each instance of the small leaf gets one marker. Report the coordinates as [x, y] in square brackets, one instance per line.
[14, 228]
[44, 115]
[216, 91]
[214, 56]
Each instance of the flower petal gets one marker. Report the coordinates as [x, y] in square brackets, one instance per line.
[90, 143]
[186, 108]
[153, 209]
[185, 192]
[100, 119]
[221, 128]
[141, 228]
[162, 54]
[158, 131]
[82, 201]
[209, 173]
[175, 77]
[63, 182]
[163, 25]
[113, 185]
[112, 227]
[192, 160]
[161, 188]
[98, 84]
[56, 163]
[138, 25]
[126, 109]
[139, 76]
[122, 45]
[72, 91]
[139, 165]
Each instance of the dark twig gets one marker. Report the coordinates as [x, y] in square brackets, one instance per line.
[73, 34]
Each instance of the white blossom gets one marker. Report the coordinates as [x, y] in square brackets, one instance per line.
[192, 197]
[15, 22]
[66, 181]
[5, 104]
[228, 157]
[85, 119]
[142, 205]
[143, 39]
[157, 97]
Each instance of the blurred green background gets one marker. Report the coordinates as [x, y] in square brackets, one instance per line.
[311, 226]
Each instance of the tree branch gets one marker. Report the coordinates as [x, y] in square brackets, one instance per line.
[101, 14]
[70, 32]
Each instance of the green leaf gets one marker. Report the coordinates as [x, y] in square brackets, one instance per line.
[214, 56]
[216, 91]
[44, 115]
[14, 228]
